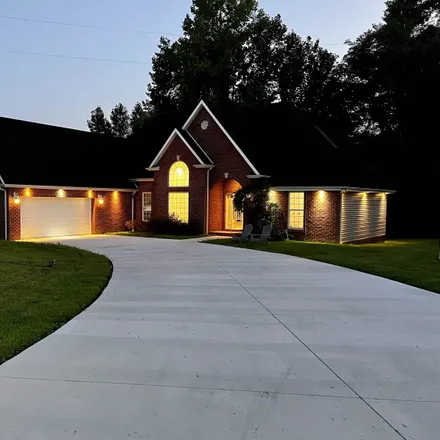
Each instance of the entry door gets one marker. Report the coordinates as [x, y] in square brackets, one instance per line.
[43, 217]
[233, 219]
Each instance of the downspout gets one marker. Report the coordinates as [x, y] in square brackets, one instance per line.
[132, 207]
[6, 212]
[207, 201]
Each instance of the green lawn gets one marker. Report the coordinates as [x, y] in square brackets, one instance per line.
[36, 299]
[152, 235]
[413, 262]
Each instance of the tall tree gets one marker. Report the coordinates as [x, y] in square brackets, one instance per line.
[98, 123]
[120, 121]
[395, 68]
[138, 117]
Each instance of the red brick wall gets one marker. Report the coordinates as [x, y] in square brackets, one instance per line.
[197, 183]
[322, 215]
[108, 217]
[218, 147]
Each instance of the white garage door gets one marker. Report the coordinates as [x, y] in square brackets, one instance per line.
[55, 217]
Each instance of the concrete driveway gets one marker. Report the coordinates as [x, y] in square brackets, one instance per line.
[193, 341]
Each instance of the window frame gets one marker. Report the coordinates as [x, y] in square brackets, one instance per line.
[171, 213]
[170, 175]
[145, 207]
[289, 210]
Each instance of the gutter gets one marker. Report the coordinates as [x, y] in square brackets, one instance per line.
[207, 199]
[132, 206]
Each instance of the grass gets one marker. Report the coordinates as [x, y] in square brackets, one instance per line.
[36, 299]
[152, 235]
[413, 262]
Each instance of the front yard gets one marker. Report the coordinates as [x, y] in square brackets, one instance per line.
[36, 299]
[413, 262]
[153, 235]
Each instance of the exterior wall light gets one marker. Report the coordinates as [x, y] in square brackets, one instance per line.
[27, 192]
[100, 199]
[16, 198]
[61, 193]
[226, 175]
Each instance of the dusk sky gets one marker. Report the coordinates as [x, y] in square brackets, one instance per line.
[62, 91]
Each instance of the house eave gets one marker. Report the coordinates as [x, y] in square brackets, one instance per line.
[67, 188]
[354, 189]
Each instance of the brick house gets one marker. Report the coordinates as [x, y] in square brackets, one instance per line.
[194, 175]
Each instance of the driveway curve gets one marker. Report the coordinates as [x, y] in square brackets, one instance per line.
[194, 341]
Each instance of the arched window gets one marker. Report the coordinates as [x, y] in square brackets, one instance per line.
[179, 175]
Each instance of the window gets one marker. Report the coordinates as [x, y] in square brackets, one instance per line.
[178, 205]
[296, 210]
[179, 175]
[146, 207]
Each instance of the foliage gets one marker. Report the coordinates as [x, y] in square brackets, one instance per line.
[394, 69]
[120, 121]
[273, 215]
[413, 262]
[173, 226]
[232, 51]
[137, 118]
[253, 200]
[98, 123]
[35, 299]
[130, 225]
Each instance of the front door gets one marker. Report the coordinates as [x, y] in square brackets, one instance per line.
[233, 219]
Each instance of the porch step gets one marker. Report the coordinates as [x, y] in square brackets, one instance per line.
[224, 233]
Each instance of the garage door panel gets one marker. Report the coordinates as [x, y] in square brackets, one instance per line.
[55, 217]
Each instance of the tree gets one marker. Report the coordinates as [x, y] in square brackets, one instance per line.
[98, 123]
[138, 117]
[120, 121]
[395, 67]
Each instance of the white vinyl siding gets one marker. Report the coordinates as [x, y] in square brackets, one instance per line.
[146, 206]
[43, 217]
[363, 216]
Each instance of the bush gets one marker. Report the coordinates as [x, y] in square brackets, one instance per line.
[173, 226]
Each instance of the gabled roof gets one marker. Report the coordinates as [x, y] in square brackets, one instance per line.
[201, 105]
[194, 148]
[38, 154]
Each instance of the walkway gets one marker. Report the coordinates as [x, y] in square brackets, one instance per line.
[194, 341]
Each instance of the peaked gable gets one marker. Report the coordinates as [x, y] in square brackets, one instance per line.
[198, 155]
[202, 106]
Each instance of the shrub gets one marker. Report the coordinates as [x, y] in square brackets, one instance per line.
[173, 226]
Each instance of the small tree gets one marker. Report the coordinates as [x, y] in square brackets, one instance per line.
[138, 117]
[98, 123]
[253, 200]
[120, 121]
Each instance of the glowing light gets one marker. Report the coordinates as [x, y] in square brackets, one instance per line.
[272, 196]
[321, 195]
[27, 192]
[179, 171]
[61, 193]
[16, 198]
[115, 194]
[90, 194]
[100, 199]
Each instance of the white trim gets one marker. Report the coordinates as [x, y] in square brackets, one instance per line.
[168, 143]
[204, 152]
[257, 176]
[207, 201]
[6, 211]
[194, 114]
[142, 179]
[330, 188]
[1, 180]
[71, 188]
[203, 166]
[153, 168]
[303, 229]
